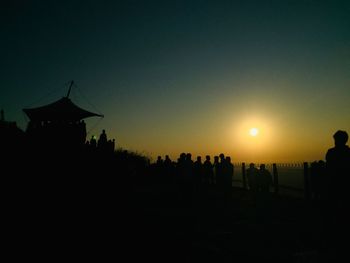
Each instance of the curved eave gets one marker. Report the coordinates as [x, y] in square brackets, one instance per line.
[61, 110]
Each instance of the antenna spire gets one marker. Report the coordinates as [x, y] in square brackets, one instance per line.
[70, 88]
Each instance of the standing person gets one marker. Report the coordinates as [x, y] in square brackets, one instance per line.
[252, 176]
[168, 167]
[102, 141]
[220, 172]
[208, 173]
[337, 165]
[338, 182]
[228, 176]
[93, 143]
[159, 168]
[264, 179]
[216, 166]
[189, 180]
[181, 169]
[198, 171]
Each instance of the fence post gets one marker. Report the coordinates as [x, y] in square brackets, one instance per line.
[306, 181]
[275, 178]
[244, 177]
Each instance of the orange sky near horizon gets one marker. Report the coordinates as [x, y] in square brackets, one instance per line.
[278, 140]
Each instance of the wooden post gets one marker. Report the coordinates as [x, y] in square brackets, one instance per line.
[244, 177]
[306, 181]
[275, 178]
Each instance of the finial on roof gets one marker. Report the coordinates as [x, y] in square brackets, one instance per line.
[70, 87]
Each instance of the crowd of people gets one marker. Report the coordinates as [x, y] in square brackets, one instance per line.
[259, 180]
[220, 172]
[102, 143]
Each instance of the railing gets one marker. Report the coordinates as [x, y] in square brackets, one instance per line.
[288, 178]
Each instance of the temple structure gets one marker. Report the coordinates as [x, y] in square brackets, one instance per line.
[60, 123]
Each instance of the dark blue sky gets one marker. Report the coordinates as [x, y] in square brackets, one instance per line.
[173, 76]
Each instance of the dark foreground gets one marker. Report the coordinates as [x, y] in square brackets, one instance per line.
[161, 222]
[235, 228]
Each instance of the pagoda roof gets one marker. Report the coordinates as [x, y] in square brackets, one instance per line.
[61, 110]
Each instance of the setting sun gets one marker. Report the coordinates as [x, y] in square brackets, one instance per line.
[253, 137]
[254, 132]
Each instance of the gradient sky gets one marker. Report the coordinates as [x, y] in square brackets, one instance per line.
[187, 76]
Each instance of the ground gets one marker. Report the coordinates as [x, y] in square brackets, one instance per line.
[224, 228]
[163, 222]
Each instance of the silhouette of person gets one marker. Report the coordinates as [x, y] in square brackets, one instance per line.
[252, 176]
[93, 143]
[181, 168]
[198, 170]
[228, 174]
[109, 146]
[216, 173]
[337, 161]
[338, 178]
[102, 141]
[220, 171]
[159, 161]
[167, 161]
[264, 179]
[189, 168]
[188, 185]
[159, 166]
[168, 166]
[208, 173]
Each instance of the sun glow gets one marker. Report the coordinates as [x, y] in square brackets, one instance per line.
[253, 138]
[254, 132]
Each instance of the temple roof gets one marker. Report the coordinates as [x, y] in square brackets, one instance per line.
[62, 110]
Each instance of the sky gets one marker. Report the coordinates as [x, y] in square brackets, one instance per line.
[186, 76]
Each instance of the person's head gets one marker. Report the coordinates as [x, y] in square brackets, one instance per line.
[251, 165]
[262, 166]
[340, 138]
[207, 157]
[199, 158]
